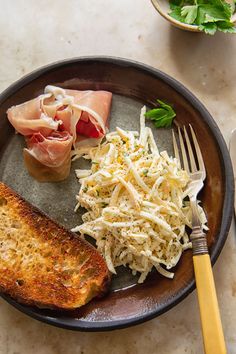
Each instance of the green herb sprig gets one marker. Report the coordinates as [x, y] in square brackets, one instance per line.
[209, 16]
[162, 116]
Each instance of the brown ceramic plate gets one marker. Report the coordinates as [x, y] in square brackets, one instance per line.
[133, 85]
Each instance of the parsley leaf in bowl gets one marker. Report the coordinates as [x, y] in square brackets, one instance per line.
[209, 16]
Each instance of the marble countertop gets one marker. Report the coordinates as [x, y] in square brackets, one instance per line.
[37, 33]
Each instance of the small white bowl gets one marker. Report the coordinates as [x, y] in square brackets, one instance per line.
[163, 7]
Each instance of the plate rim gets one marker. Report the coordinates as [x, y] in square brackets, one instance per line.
[227, 213]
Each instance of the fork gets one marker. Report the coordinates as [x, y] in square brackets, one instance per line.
[213, 336]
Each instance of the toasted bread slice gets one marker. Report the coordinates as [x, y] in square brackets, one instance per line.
[43, 264]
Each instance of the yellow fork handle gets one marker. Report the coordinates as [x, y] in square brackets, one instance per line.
[213, 335]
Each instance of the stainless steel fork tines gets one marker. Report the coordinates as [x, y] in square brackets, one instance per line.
[192, 161]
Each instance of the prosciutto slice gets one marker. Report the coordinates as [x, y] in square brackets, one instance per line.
[81, 113]
[53, 122]
[48, 158]
[94, 109]
[29, 118]
[78, 112]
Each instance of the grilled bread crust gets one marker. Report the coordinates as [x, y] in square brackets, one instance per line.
[43, 264]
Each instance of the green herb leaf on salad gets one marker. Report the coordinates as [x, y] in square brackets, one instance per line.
[209, 16]
[162, 116]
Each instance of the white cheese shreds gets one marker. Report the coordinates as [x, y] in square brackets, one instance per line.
[135, 201]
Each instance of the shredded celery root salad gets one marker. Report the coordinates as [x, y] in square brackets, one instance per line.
[134, 196]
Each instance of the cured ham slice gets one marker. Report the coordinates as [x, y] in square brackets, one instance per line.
[83, 113]
[29, 117]
[95, 108]
[53, 122]
[49, 158]
[78, 112]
